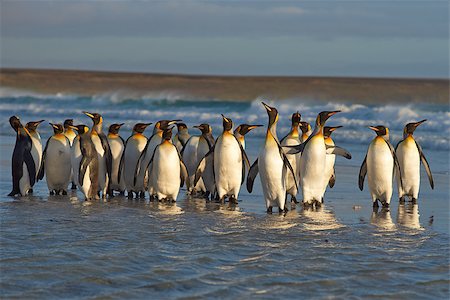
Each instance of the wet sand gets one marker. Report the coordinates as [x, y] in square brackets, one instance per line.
[243, 88]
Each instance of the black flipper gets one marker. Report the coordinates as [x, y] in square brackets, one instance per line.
[362, 173]
[84, 163]
[336, 150]
[29, 162]
[425, 164]
[108, 154]
[202, 166]
[286, 162]
[41, 168]
[245, 160]
[254, 169]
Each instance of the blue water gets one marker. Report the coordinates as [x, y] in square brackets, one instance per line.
[63, 247]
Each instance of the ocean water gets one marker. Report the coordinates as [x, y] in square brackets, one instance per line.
[63, 247]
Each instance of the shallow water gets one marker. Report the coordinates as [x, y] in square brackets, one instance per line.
[63, 247]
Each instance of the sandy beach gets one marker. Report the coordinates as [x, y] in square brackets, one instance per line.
[237, 88]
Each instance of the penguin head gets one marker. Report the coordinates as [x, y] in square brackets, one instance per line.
[204, 128]
[68, 123]
[140, 127]
[410, 127]
[380, 130]
[161, 125]
[323, 116]
[296, 117]
[305, 126]
[181, 126]
[243, 129]
[32, 126]
[227, 123]
[328, 130]
[15, 123]
[167, 134]
[272, 112]
[80, 128]
[114, 128]
[57, 128]
[96, 118]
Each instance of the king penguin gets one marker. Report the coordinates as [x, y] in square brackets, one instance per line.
[141, 170]
[313, 161]
[36, 148]
[167, 171]
[192, 153]
[86, 167]
[272, 165]
[242, 130]
[56, 162]
[134, 146]
[22, 163]
[293, 139]
[410, 154]
[181, 137]
[331, 158]
[379, 166]
[117, 145]
[104, 153]
[70, 134]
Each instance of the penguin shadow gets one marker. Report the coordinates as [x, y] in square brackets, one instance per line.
[319, 218]
[408, 215]
[382, 218]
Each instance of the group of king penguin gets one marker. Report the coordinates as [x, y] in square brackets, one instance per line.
[100, 164]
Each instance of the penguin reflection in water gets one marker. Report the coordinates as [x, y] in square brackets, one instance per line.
[410, 154]
[379, 166]
[56, 162]
[166, 170]
[23, 166]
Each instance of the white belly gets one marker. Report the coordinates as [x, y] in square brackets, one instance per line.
[143, 171]
[312, 167]
[57, 164]
[273, 175]
[409, 160]
[165, 172]
[227, 166]
[86, 184]
[132, 152]
[380, 164]
[102, 170]
[24, 182]
[75, 158]
[36, 152]
[117, 148]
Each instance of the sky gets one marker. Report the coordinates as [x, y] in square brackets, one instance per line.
[305, 38]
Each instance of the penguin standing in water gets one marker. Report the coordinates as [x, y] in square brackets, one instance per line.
[379, 166]
[56, 162]
[330, 158]
[181, 137]
[313, 161]
[117, 146]
[22, 163]
[141, 169]
[229, 160]
[36, 148]
[293, 139]
[87, 165]
[134, 146]
[410, 154]
[70, 134]
[75, 154]
[104, 153]
[272, 164]
[242, 130]
[167, 171]
[306, 131]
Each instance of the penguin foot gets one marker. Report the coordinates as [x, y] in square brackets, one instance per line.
[269, 210]
[233, 200]
[30, 191]
[414, 201]
[130, 195]
[285, 210]
[52, 193]
[64, 192]
[294, 200]
[375, 204]
[142, 195]
[73, 187]
[12, 194]
[385, 204]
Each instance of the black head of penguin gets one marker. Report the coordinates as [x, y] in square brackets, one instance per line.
[243, 129]
[167, 134]
[114, 128]
[323, 116]
[96, 118]
[296, 118]
[304, 126]
[68, 123]
[227, 123]
[15, 123]
[272, 112]
[204, 128]
[181, 126]
[33, 125]
[380, 130]
[80, 129]
[410, 127]
[140, 127]
[164, 124]
[328, 130]
[57, 128]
